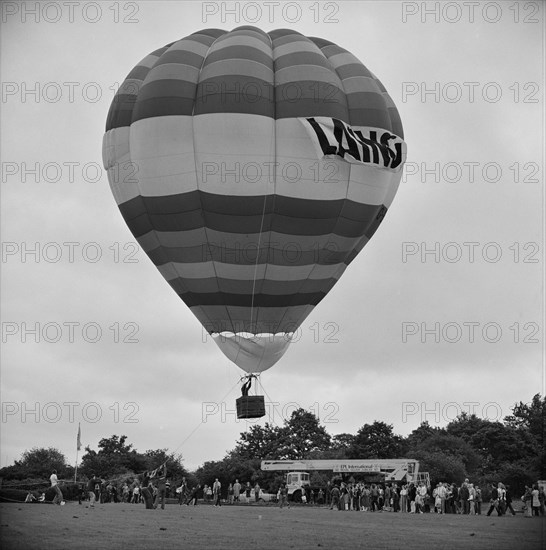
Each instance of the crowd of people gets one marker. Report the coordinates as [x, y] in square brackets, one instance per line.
[153, 488]
[444, 498]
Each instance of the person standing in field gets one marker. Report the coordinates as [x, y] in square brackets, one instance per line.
[478, 501]
[502, 497]
[147, 493]
[125, 493]
[535, 500]
[217, 492]
[464, 495]
[420, 498]
[442, 493]
[236, 490]
[404, 499]
[182, 492]
[320, 497]
[472, 499]
[412, 495]
[58, 498]
[335, 494]
[527, 499]
[283, 496]
[161, 488]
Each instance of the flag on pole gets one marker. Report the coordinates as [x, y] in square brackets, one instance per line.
[79, 440]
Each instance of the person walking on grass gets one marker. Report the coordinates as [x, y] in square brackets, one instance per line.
[508, 499]
[494, 503]
[58, 498]
[91, 489]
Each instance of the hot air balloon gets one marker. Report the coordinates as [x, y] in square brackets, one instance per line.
[252, 168]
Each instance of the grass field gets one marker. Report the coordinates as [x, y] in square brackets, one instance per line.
[131, 526]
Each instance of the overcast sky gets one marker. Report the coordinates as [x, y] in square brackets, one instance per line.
[441, 312]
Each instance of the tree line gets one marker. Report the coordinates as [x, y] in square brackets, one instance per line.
[512, 451]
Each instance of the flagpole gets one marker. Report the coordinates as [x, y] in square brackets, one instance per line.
[78, 445]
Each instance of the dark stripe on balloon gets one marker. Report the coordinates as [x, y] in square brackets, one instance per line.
[247, 300]
[375, 118]
[291, 255]
[245, 287]
[302, 58]
[353, 69]
[239, 52]
[146, 222]
[138, 73]
[207, 36]
[181, 57]
[121, 111]
[264, 320]
[254, 32]
[321, 42]
[278, 34]
[244, 214]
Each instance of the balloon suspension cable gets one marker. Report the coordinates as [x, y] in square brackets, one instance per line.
[203, 420]
[256, 264]
[271, 410]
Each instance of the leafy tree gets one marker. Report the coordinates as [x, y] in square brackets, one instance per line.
[441, 466]
[116, 458]
[531, 416]
[530, 419]
[495, 442]
[303, 435]
[443, 450]
[342, 442]
[376, 440]
[227, 470]
[422, 433]
[44, 461]
[516, 475]
[115, 446]
[466, 425]
[244, 470]
[260, 442]
[38, 463]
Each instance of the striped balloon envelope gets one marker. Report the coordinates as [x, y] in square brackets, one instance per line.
[252, 168]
